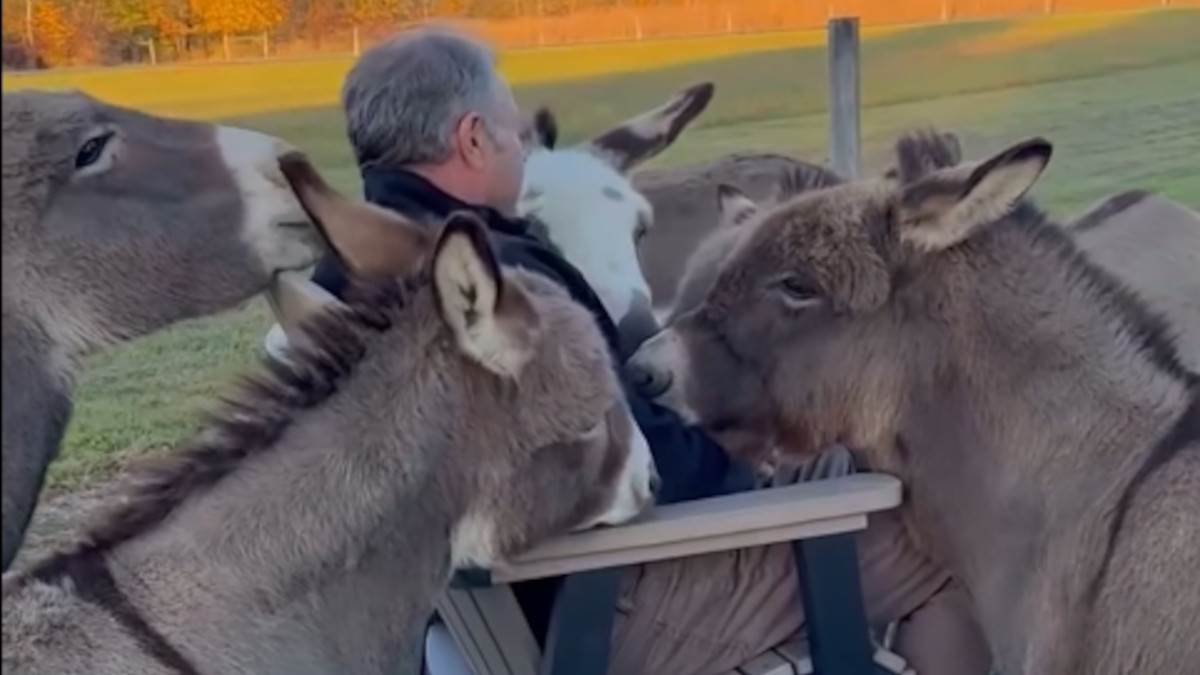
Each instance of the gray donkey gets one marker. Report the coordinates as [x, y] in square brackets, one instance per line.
[453, 417]
[1036, 410]
[1149, 242]
[1152, 244]
[116, 224]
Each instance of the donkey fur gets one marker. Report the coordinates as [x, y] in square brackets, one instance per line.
[162, 229]
[1035, 407]
[311, 526]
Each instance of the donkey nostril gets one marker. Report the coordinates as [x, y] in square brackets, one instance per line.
[650, 382]
[658, 382]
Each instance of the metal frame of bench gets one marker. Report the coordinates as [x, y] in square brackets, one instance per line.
[819, 517]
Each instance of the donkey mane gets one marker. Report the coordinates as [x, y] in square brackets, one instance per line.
[1149, 329]
[804, 177]
[248, 422]
[923, 151]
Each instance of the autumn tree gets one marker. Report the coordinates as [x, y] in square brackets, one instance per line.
[233, 17]
[316, 18]
[371, 12]
[137, 23]
[171, 20]
[52, 33]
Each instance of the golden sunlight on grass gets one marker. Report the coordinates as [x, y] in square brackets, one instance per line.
[1021, 35]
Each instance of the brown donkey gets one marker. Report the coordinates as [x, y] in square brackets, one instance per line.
[1037, 411]
[116, 224]
[681, 198]
[454, 417]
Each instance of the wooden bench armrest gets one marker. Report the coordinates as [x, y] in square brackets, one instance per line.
[745, 519]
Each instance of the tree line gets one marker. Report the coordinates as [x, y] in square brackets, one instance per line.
[45, 33]
[52, 33]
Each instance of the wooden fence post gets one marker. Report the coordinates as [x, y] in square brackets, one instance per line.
[843, 96]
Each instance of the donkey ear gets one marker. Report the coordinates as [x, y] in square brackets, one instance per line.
[373, 242]
[494, 323]
[294, 300]
[642, 137]
[733, 206]
[921, 153]
[946, 207]
[540, 131]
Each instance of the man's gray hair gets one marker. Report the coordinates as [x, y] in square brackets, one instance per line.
[404, 96]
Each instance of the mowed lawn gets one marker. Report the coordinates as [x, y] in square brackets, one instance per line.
[1119, 95]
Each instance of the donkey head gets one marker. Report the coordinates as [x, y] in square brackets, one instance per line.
[117, 223]
[545, 441]
[734, 209]
[584, 197]
[796, 336]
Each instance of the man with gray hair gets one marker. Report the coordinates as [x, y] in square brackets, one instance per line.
[432, 102]
[435, 129]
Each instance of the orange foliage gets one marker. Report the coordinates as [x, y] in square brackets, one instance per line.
[63, 34]
[639, 19]
[237, 16]
[53, 34]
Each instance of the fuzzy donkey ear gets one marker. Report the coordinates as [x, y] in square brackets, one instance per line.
[640, 138]
[733, 206]
[494, 322]
[947, 206]
[540, 130]
[373, 242]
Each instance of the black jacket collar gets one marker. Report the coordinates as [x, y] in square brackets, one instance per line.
[414, 195]
[517, 241]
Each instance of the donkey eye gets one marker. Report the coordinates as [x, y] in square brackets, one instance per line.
[596, 431]
[92, 150]
[797, 291]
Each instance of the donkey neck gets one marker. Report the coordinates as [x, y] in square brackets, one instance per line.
[38, 379]
[1034, 402]
[331, 546]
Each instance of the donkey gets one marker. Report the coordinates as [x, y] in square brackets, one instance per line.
[683, 216]
[312, 526]
[1152, 244]
[1147, 241]
[116, 224]
[1038, 412]
[583, 197]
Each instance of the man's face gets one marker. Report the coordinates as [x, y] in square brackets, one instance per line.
[504, 165]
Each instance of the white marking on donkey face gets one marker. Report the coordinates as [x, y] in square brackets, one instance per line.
[593, 214]
[473, 542]
[275, 226]
[637, 484]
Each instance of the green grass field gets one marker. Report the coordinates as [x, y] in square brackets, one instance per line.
[1119, 95]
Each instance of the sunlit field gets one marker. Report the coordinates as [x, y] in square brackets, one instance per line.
[1118, 94]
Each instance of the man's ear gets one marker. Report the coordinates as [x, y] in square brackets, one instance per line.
[494, 323]
[946, 207]
[733, 206]
[469, 135]
[373, 242]
[642, 137]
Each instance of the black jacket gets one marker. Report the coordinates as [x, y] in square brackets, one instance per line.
[690, 464]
